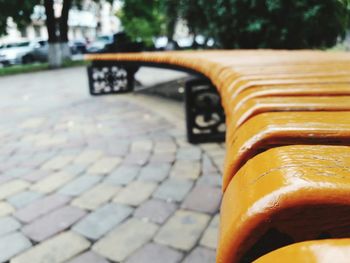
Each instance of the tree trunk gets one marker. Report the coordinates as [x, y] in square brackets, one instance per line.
[54, 53]
[64, 29]
[171, 10]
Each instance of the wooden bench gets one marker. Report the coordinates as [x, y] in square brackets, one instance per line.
[287, 113]
[285, 195]
[320, 251]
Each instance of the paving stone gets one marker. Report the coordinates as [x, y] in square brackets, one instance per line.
[203, 199]
[57, 162]
[75, 168]
[186, 169]
[189, 153]
[12, 187]
[18, 171]
[164, 147]
[4, 178]
[7, 225]
[137, 158]
[201, 255]
[173, 189]
[88, 156]
[189, 224]
[52, 223]
[35, 175]
[208, 166]
[13, 244]
[141, 145]
[219, 162]
[102, 220]
[123, 175]
[210, 236]
[162, 158]
[125, 239]
[59, 248]
[104, 165]
[135, 193]
[38, 159]
[209, 147]
[52, 182]
[155, 172]
[80, 185]
[32, 123]
[24, 198]
[6, 209]
[96, 196]
[155, 253]
[214, 180]
[88, 257]
[41, 207]
[155, 210]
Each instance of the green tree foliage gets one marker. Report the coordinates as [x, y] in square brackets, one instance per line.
[289, 24]
[142, 20]
[19, 10]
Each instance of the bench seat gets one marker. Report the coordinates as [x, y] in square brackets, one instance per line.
[311, 90]
[257, 106]
[285, 195]
[273, 129]
[318, 251]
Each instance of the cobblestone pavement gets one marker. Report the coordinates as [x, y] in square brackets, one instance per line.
[101, 179]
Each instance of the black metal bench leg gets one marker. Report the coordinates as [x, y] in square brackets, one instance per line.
[205, 118]
[110, 78]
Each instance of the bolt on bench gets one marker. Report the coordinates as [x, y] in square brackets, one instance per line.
[287, 170]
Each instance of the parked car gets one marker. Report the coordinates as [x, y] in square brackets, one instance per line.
[39, 53]
[99, 44]
[41, 49]
[77, 47]
[15, 53]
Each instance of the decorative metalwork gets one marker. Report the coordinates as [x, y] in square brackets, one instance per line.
[205, 117]
[109, 79]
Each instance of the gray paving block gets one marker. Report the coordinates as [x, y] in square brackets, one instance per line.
[173, 189]
[201, 255]
[80, 185]
[24, 198]
[88, 257]
[155, 210]
[12, 244]
[155, 253]
[40, 207]
[8, 224]
[155, 172]
[53, 223]
[188, 153]
[99, 222]
[123, 175]
[203, 199]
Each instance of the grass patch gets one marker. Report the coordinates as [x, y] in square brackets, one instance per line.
[18, 69]
[23, 68]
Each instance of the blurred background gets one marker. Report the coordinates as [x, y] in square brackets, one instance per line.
[57, 31]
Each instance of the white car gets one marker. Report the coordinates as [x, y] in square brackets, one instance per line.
[15, 53]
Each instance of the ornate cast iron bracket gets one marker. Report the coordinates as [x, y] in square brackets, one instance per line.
[205, 118]
[110, 78]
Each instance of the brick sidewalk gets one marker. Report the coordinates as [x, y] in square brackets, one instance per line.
[108, 179]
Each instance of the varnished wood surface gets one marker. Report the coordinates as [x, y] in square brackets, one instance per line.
[285, 195]
[273, 129]
[318, 251]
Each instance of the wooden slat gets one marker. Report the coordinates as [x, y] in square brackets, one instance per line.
[285, 195]
[274, 129]
[255, 106]
[318, 251]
